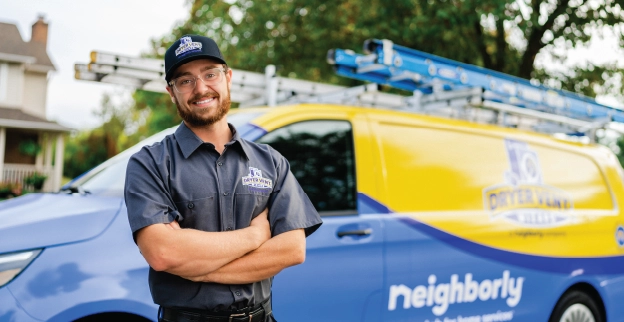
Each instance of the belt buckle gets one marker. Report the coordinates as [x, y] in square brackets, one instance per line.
[235, 315]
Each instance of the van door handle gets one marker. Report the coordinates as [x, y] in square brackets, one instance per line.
[358, 232]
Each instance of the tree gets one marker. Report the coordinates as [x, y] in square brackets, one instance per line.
[88, 149]
[152, 112]
[504, 35]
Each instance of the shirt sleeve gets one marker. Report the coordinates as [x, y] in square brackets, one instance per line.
[147, 198]
[289, 207]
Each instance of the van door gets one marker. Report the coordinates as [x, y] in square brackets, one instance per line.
[436, 247]
[341, 279]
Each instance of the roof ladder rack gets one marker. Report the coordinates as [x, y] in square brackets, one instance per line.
[433, 79]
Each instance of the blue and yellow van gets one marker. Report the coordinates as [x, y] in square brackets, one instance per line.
[425, 219]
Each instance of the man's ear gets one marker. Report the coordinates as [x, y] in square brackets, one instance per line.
[171, 93]
[229, 76]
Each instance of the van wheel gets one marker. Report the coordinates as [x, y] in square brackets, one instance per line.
[576, 306]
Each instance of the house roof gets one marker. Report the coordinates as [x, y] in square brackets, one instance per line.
[12, 44]
[14, 118]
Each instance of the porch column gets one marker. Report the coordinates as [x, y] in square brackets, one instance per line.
[48, 151]
[39, 156]
[58, 162]
[2, 147]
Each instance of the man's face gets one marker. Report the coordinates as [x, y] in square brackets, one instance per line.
[205, 104]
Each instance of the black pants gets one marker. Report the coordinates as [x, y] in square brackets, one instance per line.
[269, 318]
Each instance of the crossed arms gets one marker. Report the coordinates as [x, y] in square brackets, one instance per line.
[233, 257]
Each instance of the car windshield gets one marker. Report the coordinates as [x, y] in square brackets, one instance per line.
[109, 177]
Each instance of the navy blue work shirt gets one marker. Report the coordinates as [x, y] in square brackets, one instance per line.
[186, 179]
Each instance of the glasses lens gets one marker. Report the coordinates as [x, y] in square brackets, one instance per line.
[211, 76]
[185, 84]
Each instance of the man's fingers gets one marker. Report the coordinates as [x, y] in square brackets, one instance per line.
[263, 216]
[174, 225]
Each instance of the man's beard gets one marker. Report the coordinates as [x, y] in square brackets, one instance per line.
[198, 120]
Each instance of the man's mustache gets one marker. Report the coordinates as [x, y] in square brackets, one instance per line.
[203, 95]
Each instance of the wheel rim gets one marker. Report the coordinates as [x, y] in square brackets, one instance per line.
[577, 313]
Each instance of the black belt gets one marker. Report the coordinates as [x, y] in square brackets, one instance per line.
[181, 315]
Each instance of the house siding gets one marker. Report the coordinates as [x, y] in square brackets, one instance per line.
[35, 100]
[15, 86]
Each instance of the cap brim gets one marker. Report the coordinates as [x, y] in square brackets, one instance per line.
[190, 59]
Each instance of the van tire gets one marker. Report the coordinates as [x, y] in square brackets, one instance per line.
[576, 306]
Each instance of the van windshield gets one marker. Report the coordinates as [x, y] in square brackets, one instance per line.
[109, 177]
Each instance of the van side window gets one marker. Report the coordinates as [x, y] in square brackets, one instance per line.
[321, 157]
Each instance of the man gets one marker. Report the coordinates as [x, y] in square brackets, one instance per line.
[213, 238]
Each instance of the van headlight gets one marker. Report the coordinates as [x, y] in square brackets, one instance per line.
[13, 263]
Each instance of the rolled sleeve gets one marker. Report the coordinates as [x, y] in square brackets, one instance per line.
[146, 196]
[289, 206]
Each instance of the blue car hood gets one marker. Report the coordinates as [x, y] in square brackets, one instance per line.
[40, 220]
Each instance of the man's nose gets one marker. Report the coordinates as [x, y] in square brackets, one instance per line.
[200, 87]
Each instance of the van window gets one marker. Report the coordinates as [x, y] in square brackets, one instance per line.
[321, 157]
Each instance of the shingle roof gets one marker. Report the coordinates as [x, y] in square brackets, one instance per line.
[11, 42]
[11, 117]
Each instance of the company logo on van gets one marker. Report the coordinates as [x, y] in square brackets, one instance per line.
[619, 236]
[523, 198]
[439, 296]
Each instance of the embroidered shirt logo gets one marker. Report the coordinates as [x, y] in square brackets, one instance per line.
[255, 180]
[186, 45]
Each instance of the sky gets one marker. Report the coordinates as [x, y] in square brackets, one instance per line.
[77, 27]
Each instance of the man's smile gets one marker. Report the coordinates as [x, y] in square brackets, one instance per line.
[203, 102]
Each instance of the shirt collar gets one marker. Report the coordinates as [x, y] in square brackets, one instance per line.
[189, 142]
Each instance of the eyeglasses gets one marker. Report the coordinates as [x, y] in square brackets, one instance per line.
[185, 84]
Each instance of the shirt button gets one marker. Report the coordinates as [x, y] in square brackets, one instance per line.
[226, 193]
[220, 163]
[190, 205]
[238, 293]
[229, 228]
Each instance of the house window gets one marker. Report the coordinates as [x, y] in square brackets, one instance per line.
[4, 79]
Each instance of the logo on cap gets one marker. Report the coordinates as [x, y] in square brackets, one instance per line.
[187, 45]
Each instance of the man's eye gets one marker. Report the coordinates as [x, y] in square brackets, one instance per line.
[183, 82]
[211, 75]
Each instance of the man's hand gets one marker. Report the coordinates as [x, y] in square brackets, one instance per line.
[261, 226]
[174, 225]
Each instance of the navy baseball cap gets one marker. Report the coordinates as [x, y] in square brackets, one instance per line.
[189, 48]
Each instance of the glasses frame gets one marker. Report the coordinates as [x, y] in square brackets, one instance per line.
[173, 81]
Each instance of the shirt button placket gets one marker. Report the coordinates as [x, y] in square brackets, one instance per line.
[224, 179]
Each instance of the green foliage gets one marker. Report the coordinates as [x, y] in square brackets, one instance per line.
[36, 180]
[84, 151]
[620, 145]
[29, 147]
[154, 112]
[504, 35]
[87, 149]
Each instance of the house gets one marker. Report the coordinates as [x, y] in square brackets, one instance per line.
[29, 143]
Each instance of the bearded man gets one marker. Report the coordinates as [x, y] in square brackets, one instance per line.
[213, 242]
